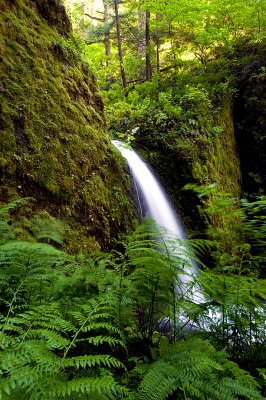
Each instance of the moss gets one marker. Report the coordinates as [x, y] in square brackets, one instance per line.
[221, 162]
[53, 145]
[198, 146]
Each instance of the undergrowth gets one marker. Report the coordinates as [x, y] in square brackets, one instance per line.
[121, 325]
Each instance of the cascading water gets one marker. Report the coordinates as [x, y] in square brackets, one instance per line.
[154, 202]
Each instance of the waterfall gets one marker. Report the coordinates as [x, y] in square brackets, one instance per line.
[153, 200]
[155, 203]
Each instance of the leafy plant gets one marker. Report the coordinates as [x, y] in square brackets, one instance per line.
[112, 326]
[193, 369]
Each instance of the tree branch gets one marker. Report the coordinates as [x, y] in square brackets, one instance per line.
[96, 18]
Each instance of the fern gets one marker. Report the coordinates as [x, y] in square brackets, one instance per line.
[6, 208]
[45, 228]
[95, 316]
[194, 368]
[163, 278]
[8, 229]
[38, 359]
[236, 311]
[69, 324]
[104, 386]
[92, 361]
[26, 271]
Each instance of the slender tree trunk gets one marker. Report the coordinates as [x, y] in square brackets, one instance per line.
[157, 39]
[147, 48]
[107, 35]
[259, 24]
[119, 45]
[141, 26]
[157, 55]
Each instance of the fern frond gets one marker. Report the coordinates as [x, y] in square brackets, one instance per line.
[10, 231]
[105, 386]
[196, 368]
[159, 382]
[102, 325]
[92, 361]
[240, 390]
[45, 316]
[6, 208]
[52, 339]
[97, 340]
[45, 228]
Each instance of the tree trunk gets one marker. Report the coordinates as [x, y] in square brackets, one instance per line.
[157, 40]
[119, 45]
[147, 47]
[107, 34]
[141, 26]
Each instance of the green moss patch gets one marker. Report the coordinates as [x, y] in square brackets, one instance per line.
[53, 141]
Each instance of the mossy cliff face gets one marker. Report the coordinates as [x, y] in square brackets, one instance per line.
[217, 160]
[195, 144]
[206, 155]
[53, 143]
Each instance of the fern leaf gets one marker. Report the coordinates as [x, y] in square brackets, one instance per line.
[196, 368]
[97, 340]
[160, 372]
[92, 361]
[6, 208]
[105, 386]
[53, 340]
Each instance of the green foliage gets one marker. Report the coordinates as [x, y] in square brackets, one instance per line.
[37, 344]
[236, 307]
[8, 231]
[194, 30]
[45, 228]
[238, 227]
[194, 369]
[254, 218]
[90, 326]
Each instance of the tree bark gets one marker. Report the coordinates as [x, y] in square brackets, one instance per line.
[157, 40]
[119, 45]
[141, 26]
[147, 46]
[107, 34]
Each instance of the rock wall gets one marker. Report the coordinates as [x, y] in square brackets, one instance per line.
[53, 142]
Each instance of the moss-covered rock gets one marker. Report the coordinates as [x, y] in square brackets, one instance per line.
[53, 145]
[204, 155]
[187, 134]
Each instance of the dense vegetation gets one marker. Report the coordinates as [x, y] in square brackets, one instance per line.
[111, 326]
[194, 78]
[175, 77]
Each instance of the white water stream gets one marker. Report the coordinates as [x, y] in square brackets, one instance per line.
[154, 202]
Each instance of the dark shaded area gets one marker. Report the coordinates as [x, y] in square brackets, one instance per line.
[20, 135]
[55, 14]
[2, 124]
[250, 120]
